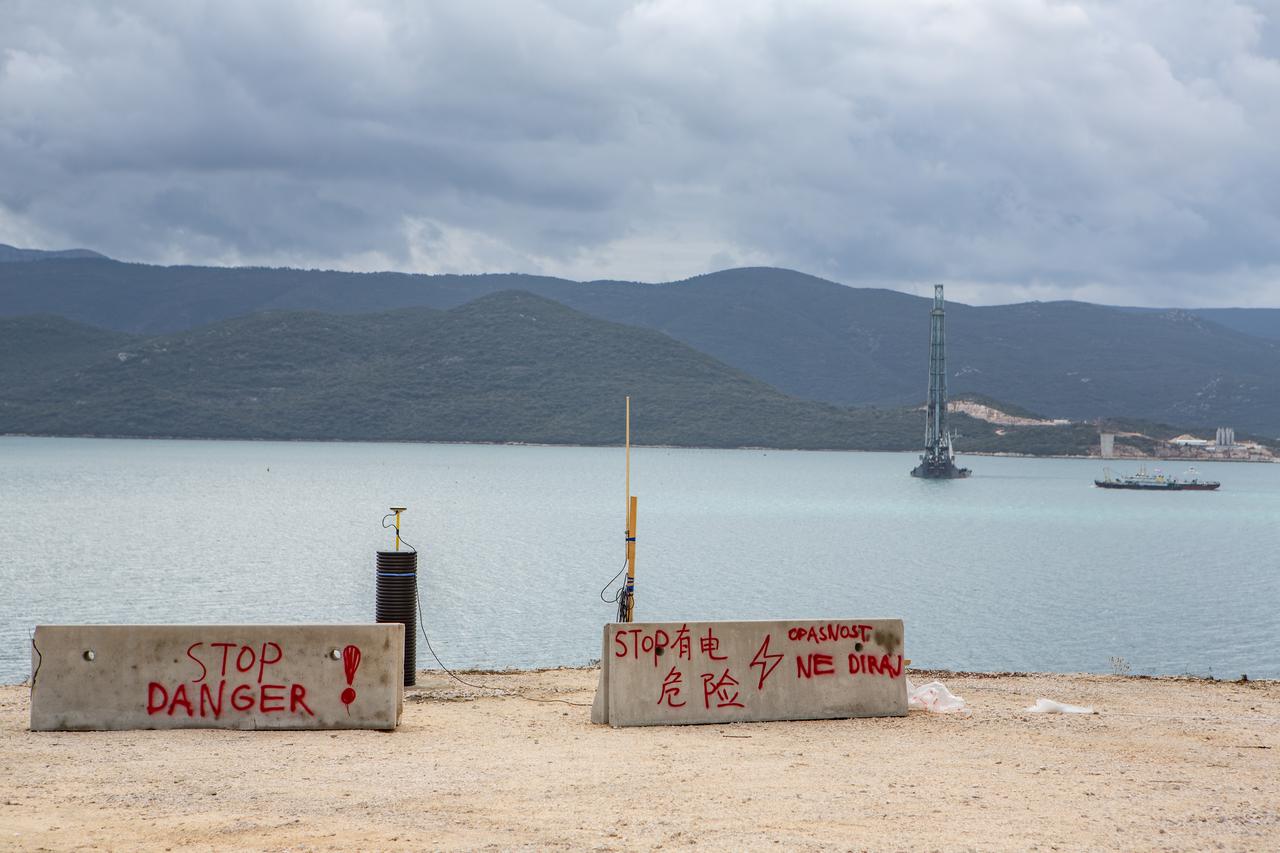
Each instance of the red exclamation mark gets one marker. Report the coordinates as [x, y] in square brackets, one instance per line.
[350, 663]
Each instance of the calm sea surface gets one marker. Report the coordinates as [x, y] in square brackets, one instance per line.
[1025, 566]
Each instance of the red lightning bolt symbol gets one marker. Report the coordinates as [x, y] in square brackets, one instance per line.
[765, 661]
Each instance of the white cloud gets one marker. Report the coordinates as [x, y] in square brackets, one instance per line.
[1122, 151]
[20, 231]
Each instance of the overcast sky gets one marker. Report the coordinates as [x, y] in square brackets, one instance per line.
[1119, 152]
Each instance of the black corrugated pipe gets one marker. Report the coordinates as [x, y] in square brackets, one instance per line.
[398, 602]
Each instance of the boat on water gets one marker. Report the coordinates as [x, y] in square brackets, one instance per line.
[1157, 482]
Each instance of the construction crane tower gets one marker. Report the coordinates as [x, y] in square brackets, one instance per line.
[938, 462]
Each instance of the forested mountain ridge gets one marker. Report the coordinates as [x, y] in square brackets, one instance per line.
[509, 367]
[808, 337]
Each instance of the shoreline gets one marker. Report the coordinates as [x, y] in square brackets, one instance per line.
[980, 453]
[1169, 763]
[917, 674]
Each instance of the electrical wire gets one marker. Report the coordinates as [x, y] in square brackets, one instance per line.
[617, 595]
[39, 660]
[386, 526]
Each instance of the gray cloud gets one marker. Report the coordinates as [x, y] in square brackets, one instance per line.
[1119, 152]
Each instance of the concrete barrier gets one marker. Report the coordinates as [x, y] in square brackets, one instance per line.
[110, 677]
[674, 673]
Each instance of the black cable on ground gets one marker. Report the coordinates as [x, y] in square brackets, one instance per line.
[455, 677]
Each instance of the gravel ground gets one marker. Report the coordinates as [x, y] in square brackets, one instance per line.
[1165, 764]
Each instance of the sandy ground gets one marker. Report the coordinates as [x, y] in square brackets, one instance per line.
[1166, 764]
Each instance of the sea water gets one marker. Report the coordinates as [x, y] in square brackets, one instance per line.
[1024, 566]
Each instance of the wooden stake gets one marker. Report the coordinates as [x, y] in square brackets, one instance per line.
[631, 558]
[629, 587]
[628, 506]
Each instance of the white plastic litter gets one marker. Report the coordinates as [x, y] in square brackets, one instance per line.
[934, 697]
[1048, 706]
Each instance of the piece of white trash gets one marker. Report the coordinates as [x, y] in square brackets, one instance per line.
[934, 697]
[1048, 706]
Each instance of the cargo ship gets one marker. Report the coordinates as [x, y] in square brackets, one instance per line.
[1156, 482]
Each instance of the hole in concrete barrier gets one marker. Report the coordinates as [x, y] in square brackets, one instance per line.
[857, 647]
[335, 654]
[89, 655]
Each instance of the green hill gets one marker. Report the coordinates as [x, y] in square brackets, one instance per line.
[508, 367]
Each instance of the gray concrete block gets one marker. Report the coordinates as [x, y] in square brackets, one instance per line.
[674, 673]
[111, 677]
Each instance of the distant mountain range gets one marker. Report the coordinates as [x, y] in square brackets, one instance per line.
[807, 337]
[12, 254]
